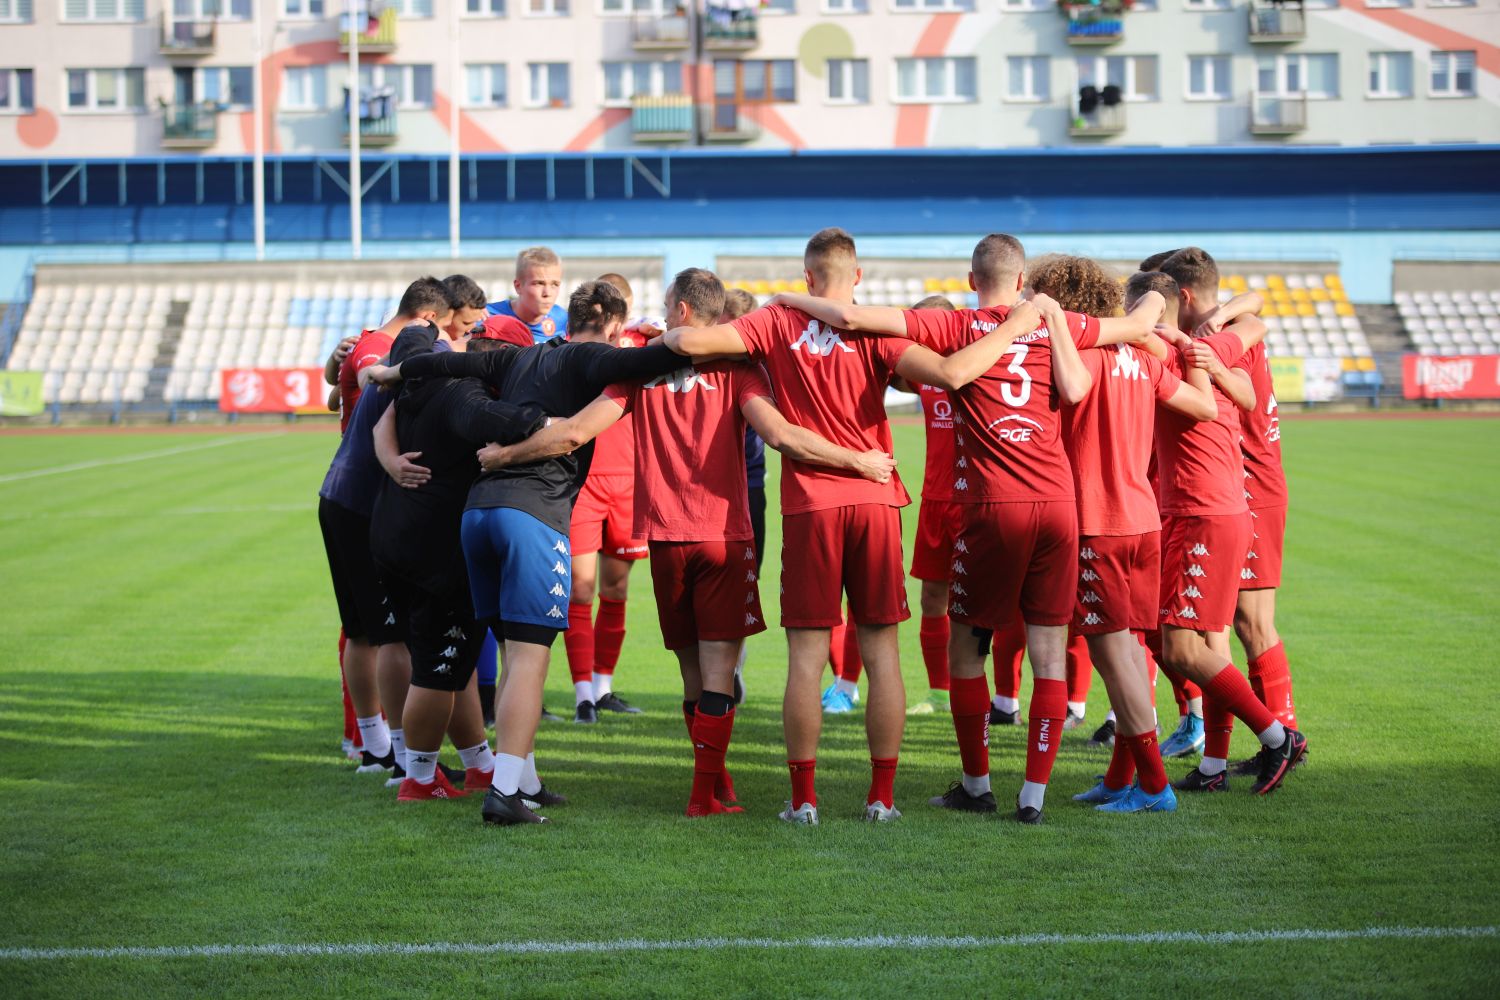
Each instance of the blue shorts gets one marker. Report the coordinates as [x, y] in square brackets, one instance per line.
[520, 570]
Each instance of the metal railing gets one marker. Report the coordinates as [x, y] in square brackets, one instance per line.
[190, 124]
[380, 37]
[1102, 119]
[661, 31]
[730, 29]
[726, 121]
[1277, 22]
[665, 118]
[1277, 114]
[187, 37]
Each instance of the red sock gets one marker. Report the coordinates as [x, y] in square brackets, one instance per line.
[1049, 707]
[724, 787]
[1147, 753]
[804, 774]
[1233, 693]
[609, 635]
[1271, 677]
[1080, 669]
[1121, 770]
[934, 639]
[711, 735]
[1183, 689]
[579, 641]
[970, 701]
[351, 727]
[1009, 647]
[853, 665]
[882, 781]
[689, 712]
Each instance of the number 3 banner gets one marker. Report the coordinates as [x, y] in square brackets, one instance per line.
[272, 390]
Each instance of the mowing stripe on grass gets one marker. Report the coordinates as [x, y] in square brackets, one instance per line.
[144, 456]
[910, 942]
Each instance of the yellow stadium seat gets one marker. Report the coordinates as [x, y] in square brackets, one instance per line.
[1300, 295]
[799, 286]
[1283, 309]
[1275, 281]
[1333, 281]
[1237, 283]
[1366, 363]
[1319, 294]
[778, 286]
[955, 285]
[760, 287]
[1348, 365]
[1344, 309]
[1306, 309]
[1279, 295]
[1337, 295]
[932, 286]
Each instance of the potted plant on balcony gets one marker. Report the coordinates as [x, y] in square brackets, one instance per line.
[1094, 17]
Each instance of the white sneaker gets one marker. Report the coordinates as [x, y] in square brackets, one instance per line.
[807, 815]
[879, 812]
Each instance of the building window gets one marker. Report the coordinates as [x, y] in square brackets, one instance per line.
[849, 81]
[301, 10]
[15, 10]
[412, 83]
[304, 88]
[932, 5]
[107, 89]
[755, 81]
[654, 8]
[17, 90]
[209, 10]
[1387, 3]
[846, 6]
[778, 7]
[547, 85]
[626, 80]
[1028, 79]
[546, 8]
[1390, 74]
[1206, 4]
[484, 8]
[1136, 76]
[230, 87]
[1209, 78]
[1453, 74]
[412, 8]
[104, 10]
[1291, 74]
[1024, 6]
[484, 85]
[948, 79]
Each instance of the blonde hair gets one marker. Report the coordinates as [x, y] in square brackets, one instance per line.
[535, 257]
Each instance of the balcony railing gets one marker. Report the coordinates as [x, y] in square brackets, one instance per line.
[726, 121]
[379, 34]
[377, 117]
[1277, 114]
[1099, 120]
[667, 31]
[189, 126]
[1277, 22]
[1095, 31]
[725, 29]
[187, 38]
[668, 118]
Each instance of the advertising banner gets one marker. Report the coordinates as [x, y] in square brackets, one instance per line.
[20, 394]
[1471, 376]
[1322, 379]
[272, 390]
[1288, 380]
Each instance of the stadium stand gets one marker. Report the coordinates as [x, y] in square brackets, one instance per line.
[1451, 322]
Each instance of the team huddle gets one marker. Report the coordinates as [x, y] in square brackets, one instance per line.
[1103, 489]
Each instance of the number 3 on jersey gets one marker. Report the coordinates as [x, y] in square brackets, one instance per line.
[1017, 395]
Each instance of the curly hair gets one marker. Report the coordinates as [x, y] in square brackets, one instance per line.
[1079, 284]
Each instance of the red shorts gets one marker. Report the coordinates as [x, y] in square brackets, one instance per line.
[1015, 555]
[602, 519]
[1119, 581]
[937, 527]
[1262, 569]
[826, 553]
[706, 590]
[1201, 559]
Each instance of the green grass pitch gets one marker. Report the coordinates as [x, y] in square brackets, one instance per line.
[169, 724]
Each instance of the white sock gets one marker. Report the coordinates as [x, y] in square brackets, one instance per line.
[603, 685]
[478, 757]
[848, 687]
[1210, 766]
[507, 777]
[1032, 795]
[1004, 704]
[1274, 736]
[1078, 708]
[374, 735]
[1156, 722]
[421, 766]
[530, 784]
[1111, 716]
[582, 691]
[976, 786]
[398, 745]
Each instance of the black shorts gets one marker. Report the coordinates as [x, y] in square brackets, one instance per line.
[758, 523]
[364, 610]
[442, 635]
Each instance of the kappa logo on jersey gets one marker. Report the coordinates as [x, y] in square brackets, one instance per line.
[1198, 550]
[958, 568]
[443, 668]
[750, 597]
[454, 633]
[962, 463]
[559, 569]
[1196, 570]
[958, 590]
[750, 576]
[555, 612]
[450, 652]
[749, 554]
[961, 484]
[560, 547]
[390, 619]
[682, 380]
[1192, 592]
[1089, 576]
[1092, 619]
[1247, 574]
[1188, 613]
[820, 340]
[957, 609]
[959, 546]
[1252, 555]
[751, 619]
[1088, 553]
[557, 590]
[1127, 364]
[1092, 598]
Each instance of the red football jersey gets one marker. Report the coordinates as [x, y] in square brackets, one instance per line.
[1199, 467]
[1108, 437]
[371, 346]
[690, 433]
[614, 450]
[1260, 440]
[1007, 434]
[937, 412]
[832, 382]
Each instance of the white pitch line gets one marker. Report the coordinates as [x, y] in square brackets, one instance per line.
[144, 456]
[97, 515]
[908, 942]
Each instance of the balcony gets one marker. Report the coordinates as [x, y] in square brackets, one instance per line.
[668, 118]
[1276, 114]
[727, 122]
[1097, 116]
[726, 30]
[1277, 22]
[379, 34]
[187, 38]
[1095, 24]
[666, 32]
[189, 126]
[377, 117]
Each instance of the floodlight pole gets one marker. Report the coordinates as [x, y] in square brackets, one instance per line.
[356, 186]
[455, 83]
[258, 142]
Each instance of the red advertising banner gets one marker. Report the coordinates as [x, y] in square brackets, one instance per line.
[272, 390]
[1465, 376]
